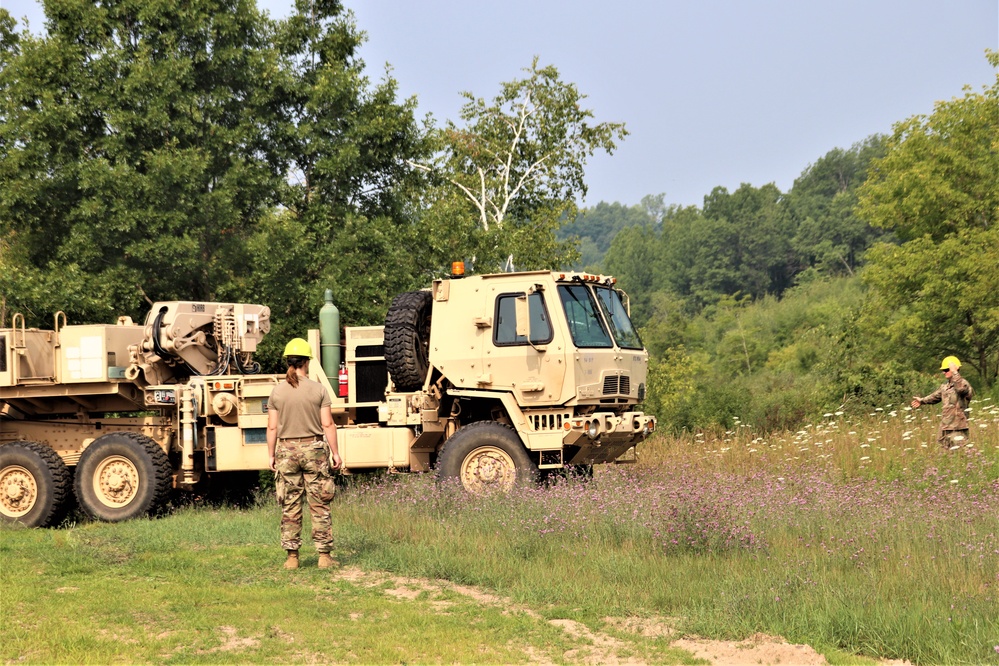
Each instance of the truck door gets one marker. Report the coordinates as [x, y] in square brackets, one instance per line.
[526, 352]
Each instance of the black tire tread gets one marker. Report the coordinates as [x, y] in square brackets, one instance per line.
[62, 482]
[528, 473]
[405, 356]
[161, 481]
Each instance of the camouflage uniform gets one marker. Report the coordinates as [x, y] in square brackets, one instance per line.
[955, 394]
[302, 463]
[304, 467]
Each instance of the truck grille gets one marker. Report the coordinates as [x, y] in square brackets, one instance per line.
[617, 385]
[542, 422]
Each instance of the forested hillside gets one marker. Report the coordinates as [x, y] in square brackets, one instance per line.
[841, 294]
[207, 152]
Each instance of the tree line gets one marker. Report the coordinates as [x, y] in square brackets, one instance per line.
[842, 293]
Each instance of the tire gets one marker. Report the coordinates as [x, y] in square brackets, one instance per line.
[407, 339]
[486, 457]
[35, 485]
[121, 476]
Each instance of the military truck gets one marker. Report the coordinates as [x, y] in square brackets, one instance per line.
[488, 380]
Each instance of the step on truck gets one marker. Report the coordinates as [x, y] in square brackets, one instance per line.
[490, 381]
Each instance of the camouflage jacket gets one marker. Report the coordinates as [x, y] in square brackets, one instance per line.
[955, 393]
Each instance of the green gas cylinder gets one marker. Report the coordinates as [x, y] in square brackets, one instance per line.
[329, 337]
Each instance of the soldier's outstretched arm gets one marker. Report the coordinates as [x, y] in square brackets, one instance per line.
[932, 398]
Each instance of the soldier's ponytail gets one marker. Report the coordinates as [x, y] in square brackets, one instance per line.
[294, 362]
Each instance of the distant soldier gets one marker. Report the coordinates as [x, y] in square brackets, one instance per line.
[298, 415]
[955, 393]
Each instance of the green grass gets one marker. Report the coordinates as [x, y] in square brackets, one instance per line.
[889, 550]
[206, 586]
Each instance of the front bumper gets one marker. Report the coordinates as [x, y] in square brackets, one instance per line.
[603, 436]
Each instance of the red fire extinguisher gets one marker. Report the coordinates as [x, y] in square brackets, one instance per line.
[342, 381]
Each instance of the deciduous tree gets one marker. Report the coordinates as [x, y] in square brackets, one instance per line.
[829, 237]
[133, 156]
[940, 172]
[938, 188]
[517, 167]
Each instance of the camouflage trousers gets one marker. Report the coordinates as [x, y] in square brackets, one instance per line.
[304, 469]
[951, 438]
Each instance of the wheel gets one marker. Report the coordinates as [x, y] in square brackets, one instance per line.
[486, 457]
[35, 485]
[122, 475]
[407, 339]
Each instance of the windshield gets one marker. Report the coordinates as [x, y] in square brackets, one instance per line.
[585, 324]
[617, 315]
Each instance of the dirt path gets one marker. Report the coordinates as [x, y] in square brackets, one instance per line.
[602, 648]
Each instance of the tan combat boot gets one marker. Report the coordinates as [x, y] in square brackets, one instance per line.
[325, 561]
[292, 561]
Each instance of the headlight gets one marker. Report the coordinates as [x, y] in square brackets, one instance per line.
[592, 429]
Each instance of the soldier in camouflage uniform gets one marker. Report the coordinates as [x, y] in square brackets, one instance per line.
[298, 416]
[955, 394]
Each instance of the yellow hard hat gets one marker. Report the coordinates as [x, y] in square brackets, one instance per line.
[298, 347]
[947, 362]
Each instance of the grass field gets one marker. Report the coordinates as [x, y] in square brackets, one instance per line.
[855, 537]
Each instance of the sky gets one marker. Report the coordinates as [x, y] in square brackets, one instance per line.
[712, 92]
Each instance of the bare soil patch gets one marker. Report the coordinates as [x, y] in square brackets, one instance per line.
[757, 649]
[597, 647]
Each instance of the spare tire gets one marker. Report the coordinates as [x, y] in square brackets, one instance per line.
[407, 339]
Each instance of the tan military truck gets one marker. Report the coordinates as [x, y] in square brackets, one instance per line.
[489, 380]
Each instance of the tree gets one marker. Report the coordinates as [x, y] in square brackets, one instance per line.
[346, 221]
[635, 259]
[940, 173]
[939, 298]
[739, 243]
[517, 169]
[161, 150]
[133, 159]
[597, 227]
[830, 238]
[938, 187]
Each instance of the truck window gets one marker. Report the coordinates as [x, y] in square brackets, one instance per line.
[585, 324]
[505, 330]
[617, 315]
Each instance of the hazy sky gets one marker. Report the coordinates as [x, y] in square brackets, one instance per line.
[713, 92]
